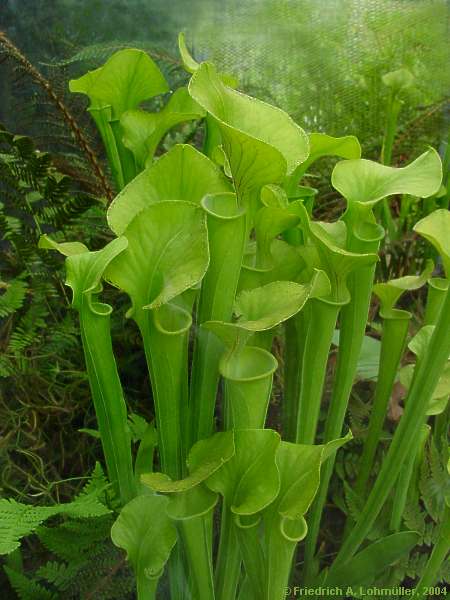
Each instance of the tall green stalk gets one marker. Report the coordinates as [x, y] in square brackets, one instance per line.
[84, 273]
[294, 338]
[107, 395]
[165, 333]
[321, 325]
[226, 233]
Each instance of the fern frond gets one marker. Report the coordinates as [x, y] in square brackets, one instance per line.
[13, 296]
[26, 588]
[18, 520]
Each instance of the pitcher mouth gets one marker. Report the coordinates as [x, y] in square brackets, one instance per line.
[222, 206]
[251, 364]
[172, 319]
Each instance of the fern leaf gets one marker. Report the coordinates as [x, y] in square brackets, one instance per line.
[13, 296]
[26, 588]
[19, 520]
[59, 574]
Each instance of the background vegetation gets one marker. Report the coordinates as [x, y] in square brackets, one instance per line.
[321, 60]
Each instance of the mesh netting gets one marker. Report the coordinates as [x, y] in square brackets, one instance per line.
[322, 60]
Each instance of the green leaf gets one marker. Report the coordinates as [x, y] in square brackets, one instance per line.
[321, 144]
[189, 63]
[181, 174]
[435, 228]
[249, 481]
[367, 565]
[265, 307]
[143, 131]
[262, 143]
[390, 292]
[146, 533]
[369, 357]
[366, 182]
[440, 396]
[65, 248]
[205, 458]
[126, 79]
[167, 254]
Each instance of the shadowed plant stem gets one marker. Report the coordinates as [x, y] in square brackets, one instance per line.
[353, 326]
[110, 408]
[440, 551]
[165, 339]
[404, 441]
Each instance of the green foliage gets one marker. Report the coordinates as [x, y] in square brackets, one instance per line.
[169, 255]
[35, 198]
[82, 561]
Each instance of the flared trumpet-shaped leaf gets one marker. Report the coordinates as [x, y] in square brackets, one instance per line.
[283, 520]
[126, 79]
[435, 228]
[262, 143]
[330, 240]
[321, 145]
[390, 292]
[265, 307]
[144, 530]
[85, 271]
[398, 80]
[287, 263]
[181, 174]
[274, 196]
[191, 65]
[299, 467]
[143, 131]
[167, 254]
[249, 481]
[269, 223]
[205, 457]
[193, 502]
[366, 182]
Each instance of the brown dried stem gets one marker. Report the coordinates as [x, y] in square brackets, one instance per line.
[79, 136]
